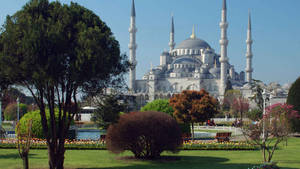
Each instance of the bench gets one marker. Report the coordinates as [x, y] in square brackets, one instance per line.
[221, 137]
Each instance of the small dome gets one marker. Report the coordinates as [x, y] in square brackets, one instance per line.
[193, 43]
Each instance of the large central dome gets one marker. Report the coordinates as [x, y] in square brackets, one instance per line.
[193, 43]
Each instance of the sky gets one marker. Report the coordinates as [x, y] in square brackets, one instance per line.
[275, 30]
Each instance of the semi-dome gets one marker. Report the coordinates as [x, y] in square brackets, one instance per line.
[186, 60]
[214, 70]
[193, 43]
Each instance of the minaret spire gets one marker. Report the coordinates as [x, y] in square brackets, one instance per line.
[249, 54]
[133, 9]
[172, 33]
[132, 49]
[223, 44]
[193, 36]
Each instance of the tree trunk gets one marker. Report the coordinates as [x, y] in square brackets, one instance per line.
[264, 151]
[56, 157]
[193, 131]
[25, 161]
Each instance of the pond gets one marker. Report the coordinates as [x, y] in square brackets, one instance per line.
[95, 134]
[90, 134]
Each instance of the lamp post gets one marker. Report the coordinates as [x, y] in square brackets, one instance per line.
[18, 109]
[264, 95]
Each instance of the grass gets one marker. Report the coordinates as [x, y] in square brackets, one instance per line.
[287, 158]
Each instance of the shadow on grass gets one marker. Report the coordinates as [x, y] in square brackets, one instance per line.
[190, 162]
[14, 156]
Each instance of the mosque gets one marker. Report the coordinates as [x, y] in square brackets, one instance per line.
[191, 65]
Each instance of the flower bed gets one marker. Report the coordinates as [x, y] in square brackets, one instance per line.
[213, 145]
[100, 145]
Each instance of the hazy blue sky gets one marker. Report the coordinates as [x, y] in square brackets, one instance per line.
[275, 23]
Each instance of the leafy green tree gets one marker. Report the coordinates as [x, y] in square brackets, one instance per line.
[108, 111]
[294, 99]
[193, 106]
[56, 51]
[160, 105]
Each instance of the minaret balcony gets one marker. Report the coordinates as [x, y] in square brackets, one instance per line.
[223, 25]
[223, 42]
[249, 41]
[132, 46]
[132, 30]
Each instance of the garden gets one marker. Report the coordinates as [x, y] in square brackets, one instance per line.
[286, 156]
[58, 52]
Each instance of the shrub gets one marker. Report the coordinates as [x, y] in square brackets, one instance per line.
[37, 128]
[145, 134]
[10, 112]
[294, 99]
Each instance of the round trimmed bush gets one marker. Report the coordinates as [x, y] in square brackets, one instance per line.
[37, 128]
[145, 134]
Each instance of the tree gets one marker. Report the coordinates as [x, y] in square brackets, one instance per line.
[108, 111]
[228, 101]
[11, 110]
[57, 51]
[240, 105]
[23, 143]
[294, 99]
[160, 105]
[275, 126]
[145, 134]
[193, 106]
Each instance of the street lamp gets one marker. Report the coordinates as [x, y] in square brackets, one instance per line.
[264, 95]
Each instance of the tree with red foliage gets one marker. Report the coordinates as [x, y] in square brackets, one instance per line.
[272, 129]
[240, 105]
[193, 106]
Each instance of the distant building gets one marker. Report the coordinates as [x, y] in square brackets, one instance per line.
[85, 114]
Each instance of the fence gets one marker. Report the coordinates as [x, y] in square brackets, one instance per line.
[236, 130]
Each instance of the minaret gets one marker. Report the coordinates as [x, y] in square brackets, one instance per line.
[223, 44]
[249, 55]
[172, 43]
[132, 49]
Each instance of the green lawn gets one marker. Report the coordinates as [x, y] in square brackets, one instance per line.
[287, 158]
